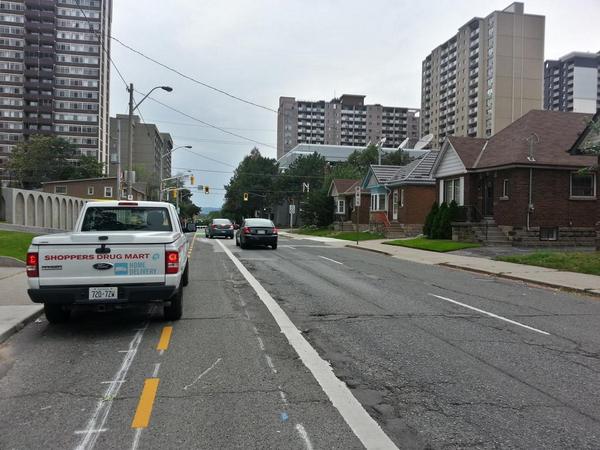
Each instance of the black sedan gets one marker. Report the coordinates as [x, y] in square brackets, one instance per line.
[256, 232]
[219, 227]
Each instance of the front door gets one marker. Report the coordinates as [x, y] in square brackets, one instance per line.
[395, 205]
[488, 197]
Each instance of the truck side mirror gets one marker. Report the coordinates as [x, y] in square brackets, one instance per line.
[191, 227]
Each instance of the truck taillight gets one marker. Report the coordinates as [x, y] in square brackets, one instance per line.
[171, 262]
[33, 270]
[275, 231]
[246, 230]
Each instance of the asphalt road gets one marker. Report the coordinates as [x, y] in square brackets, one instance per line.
[438, 357]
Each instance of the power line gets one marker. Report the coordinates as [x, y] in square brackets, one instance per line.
[204, 126]
[221, 91]
[318, 177]
[207, 157]
[210, 141]
[209, 124]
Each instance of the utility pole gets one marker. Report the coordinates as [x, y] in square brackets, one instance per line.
[118, 193]
[130, 144]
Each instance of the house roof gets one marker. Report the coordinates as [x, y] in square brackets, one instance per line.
[343, 185]
[553, 134]
[419, 171]
[384, 173]
[468, 149]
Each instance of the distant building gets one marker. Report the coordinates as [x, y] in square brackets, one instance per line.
[149, 145]
[339, 153]
[484, 77]
[572, 82]
[342, 121]
[54, 74]
[90, 188]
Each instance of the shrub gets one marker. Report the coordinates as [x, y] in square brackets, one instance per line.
[427, 227]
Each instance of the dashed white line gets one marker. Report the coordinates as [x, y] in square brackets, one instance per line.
[304, 435]
[98, 419]
[156, 369]
[136, 438]
[366, 429]
[101, 430]
[261, 344]
[495, 316]
[332, 260]
[270, 363]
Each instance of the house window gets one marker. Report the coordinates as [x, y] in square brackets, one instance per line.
[341, 207]
[60, 190]
[378, 202]
[90, 190]
[108, 191]
[452, 190]
[548, 234]
[583, 185]
[505, 188]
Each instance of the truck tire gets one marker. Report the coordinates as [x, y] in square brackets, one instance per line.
[56, 313]
[186, 275]
[175, 310]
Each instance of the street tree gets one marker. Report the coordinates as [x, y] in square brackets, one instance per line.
[256, 176]
[48, 158]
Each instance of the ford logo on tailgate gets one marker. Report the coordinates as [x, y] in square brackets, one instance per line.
[103, 266]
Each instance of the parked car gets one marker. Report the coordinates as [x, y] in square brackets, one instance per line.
[120, 254]
[219, 227]
[256, 232]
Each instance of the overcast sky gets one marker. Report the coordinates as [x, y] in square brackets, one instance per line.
[308, 49]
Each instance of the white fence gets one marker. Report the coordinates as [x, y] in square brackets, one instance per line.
[39, 209]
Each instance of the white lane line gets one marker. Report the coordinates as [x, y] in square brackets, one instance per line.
[103, 406]
[495, 316]
[283, 397]
[102, 430]
[332, 260]
[261, 344]
[136, 438]
[366, 429]
[304, 435]
[113, 381]
[270, 363]
[156, 369]
[185, 388]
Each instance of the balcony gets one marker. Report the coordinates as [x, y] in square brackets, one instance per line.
[472, 112]
[39, 27]
[42, 15]
[474, 53]
[43, 39]
[473, 92]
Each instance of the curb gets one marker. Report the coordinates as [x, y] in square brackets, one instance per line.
[381, 252]
[560, 287]
[9, 261]
[18, 326]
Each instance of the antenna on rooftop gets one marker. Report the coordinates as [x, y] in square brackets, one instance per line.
[531, 140]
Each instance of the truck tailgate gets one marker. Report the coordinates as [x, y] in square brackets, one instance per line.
[81, 264]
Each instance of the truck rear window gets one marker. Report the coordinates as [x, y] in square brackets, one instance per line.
[121, 218]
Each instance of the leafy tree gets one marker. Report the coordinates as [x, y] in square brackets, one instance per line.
[362, 159]
[48, 158]
[397, 158]
[255, 175]
[318, 208]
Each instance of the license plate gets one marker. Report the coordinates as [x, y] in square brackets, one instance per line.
[261, 232]
[103, 293]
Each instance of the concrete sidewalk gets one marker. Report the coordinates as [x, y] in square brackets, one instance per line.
[16, 309]
[570, 281]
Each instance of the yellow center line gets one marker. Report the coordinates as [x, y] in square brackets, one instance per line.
[165, 338]
[144, 408]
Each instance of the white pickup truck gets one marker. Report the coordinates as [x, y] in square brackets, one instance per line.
[120, 254]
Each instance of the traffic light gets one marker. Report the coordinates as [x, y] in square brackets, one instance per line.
[174, 194]
[245, 196]
[206, 190]
[192, 180]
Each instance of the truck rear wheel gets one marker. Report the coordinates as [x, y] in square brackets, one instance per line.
[175, 310]
[56, 313]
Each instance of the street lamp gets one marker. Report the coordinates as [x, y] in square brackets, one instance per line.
[161, 164]
[130, 143]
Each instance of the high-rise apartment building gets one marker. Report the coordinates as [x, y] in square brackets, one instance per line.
[342, 121]
[484, 77]
[54, 73]
[572, 83]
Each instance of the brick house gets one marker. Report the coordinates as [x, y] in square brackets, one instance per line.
[343, 192]
[523, 185]
[401, 196]
[89, 188]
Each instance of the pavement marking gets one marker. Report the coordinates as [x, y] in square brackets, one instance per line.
[366, 429]
[98, 419]
[270, 363]
[191, 246]
[304, 435]
[101, 430]
[185, 388]
[165, 338]
[261, 344]
[156, 369]
[144, 408]
[112, 381]
[136, 438]
[332, 260]
[495, 316]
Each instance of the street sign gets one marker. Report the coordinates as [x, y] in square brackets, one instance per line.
[357, 193]
[130, 197]
[305, 187]
[292, 209]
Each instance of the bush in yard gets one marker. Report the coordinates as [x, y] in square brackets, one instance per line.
[427, 227]
[446, 219]
[436, 225]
